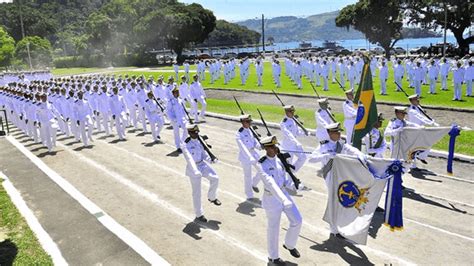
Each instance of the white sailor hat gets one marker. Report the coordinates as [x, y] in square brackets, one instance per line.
[414, 96]
[245, 117]
[289, 107]
[380, 117]
[333, 127]
[269, 141]
[348, 91]
[402, 109]
[323, 100]
[192, 127]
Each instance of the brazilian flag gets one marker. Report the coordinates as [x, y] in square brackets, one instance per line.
[364, 100]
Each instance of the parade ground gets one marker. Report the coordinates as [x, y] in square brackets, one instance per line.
[129, 202]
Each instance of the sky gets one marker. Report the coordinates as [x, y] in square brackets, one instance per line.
[237, 10]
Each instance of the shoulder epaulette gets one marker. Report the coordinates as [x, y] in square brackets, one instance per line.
[413, 107]
[344, 139]
[76, 100]
[347, 101]
[241, 129]
[188, 139]
[319, 110]
[323, 142]
[284, 119]
[393, 119]
[261, 160]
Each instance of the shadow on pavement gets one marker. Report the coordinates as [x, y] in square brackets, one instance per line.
[422, 173]
[410, 194]
[338, 246]
[248, 207]
[194, 228]
[8, 252]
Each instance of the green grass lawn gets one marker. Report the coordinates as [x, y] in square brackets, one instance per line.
[271, 113]
[17, 232]
[85, 70]
[443, 98]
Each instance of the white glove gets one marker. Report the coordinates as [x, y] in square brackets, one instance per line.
[253, 161]
[197, 173]
[435, 124]
[215, 161]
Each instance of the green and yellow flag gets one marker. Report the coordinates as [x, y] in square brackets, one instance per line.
[366, 106]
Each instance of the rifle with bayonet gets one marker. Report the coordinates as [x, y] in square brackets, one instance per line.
[283, 157]
[253, 127]
[201, 138]
[159, 104]
[421, 107]
[295, 117]
[315, 91]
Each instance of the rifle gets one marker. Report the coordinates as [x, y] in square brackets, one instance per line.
[158, 103]
[295, 118]
[315, 91]
[202, 139]
[340, 85]
[282, 156]
[253, 128]
[421, 107]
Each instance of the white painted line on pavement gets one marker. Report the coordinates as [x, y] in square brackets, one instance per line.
[163, 203]
[311, 227]
[127, 237]
[43, 237]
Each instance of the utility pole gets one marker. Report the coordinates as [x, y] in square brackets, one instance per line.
[263, 32]
[23, 35]
[445, 25]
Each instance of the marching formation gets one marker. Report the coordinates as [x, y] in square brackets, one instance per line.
[42, 106]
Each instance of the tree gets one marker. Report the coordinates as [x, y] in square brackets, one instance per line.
[99, 28]
[227, 33]
[40, 51]
[7, 48]
[431, 14]
[187, 24]
[379, 20]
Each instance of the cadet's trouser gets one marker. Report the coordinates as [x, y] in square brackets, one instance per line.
[156, 127]
[273, 213]
[457, 90]
[469, 88]
[211, 175]
[349, 125]
[132, 111]
[432, 85]
[398, 80]
[417, 84]
[120, 126]
[203, 107]
[104, 118]
[325, 87]
[351, 83]
[142, 117]
[383, 86]
[48, 135]
[249, 180]
[259, 79]
[318, 79]
[86, 133]
[443, 82]
[194, 110]
[180, 133]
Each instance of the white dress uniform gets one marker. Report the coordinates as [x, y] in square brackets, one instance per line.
[458, 78]
[433, 72]
[323, 118]
[141, 98]
[383, 76]
[276, 200]
[291, 131]
[198, 95]
[176, 71]
[259, 70]
[416, 116]
[48, 127]
[117, 109]
[444, 71]
[350, 113]
[248, 157]
[418, 76]
[398, 71]
[469, 79]
[104, 111]
[276, 74]
[197, 167]
[155, 117]
[325, 154]
[82, 114]
[177, 116]
[325, 75]
[351, 75]
[375, 143]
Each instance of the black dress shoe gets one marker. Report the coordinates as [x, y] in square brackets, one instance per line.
[379, 209]
[216, 202]
[201, 219]
[276, 261]
[423, 161]
[255, 189]
[178, 150]
[340, 236]
[294, 252]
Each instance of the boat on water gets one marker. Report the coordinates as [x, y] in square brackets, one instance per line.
[305, 45]
[329, 44]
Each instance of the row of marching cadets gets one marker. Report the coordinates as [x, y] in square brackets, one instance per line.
[80, 106]
[355, 179]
